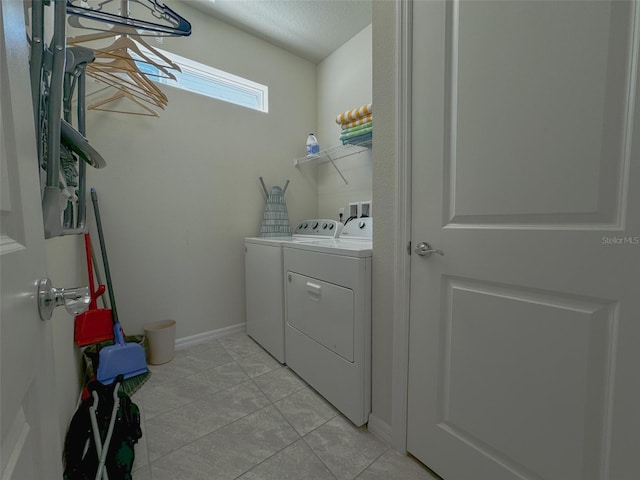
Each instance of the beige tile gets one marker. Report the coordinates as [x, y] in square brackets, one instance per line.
[142, 474]
[182, 465]
[306, 410]
[193, 387]
[230, 451]
[258, 364]
[279, 383]
[296, 462]
[239, 346]
[179, 427]
[212, 344]
[162, 398]
[168, 372]
[141, 459]
[347, 450]
[395, 465]
[224, 376]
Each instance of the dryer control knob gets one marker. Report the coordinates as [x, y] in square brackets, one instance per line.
[315, 225]
[361, 224]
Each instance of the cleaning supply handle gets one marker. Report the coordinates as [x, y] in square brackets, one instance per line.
[105, 260]
[94, 293]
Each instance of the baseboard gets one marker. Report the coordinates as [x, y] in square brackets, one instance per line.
[380, 429]
[210, 335]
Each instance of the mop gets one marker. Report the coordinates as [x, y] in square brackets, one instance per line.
[126, 359]
[103, 448]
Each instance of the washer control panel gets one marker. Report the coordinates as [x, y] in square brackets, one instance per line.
[319, 227]
[359, 228]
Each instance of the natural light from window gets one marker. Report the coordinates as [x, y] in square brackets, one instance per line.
[205, 80]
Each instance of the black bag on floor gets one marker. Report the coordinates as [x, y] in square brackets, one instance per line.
[80, 454]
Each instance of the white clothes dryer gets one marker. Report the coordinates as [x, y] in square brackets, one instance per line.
[328, 316]
[264, 282]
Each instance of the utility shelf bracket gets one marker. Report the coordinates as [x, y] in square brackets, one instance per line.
[334, 153]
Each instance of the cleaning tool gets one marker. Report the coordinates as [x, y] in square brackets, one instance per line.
[103, 449]
[101, 438]
[95, 325]
[126, 359]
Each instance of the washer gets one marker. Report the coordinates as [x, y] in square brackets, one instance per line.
[328, 316]
[264, 282]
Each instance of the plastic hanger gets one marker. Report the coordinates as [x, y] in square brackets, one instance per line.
[174, 25]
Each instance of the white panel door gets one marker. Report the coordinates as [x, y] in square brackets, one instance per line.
[29, 433]
[524, 336]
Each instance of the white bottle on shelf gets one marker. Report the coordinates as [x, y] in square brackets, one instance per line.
[312, 145]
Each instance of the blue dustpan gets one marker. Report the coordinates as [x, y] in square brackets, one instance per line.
[126, 359]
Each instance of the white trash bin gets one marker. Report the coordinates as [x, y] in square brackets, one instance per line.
[161, 339]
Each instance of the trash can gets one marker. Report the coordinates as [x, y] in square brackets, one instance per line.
[161, 339]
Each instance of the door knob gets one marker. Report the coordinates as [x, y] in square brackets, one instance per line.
[75, 300]
[425, 250]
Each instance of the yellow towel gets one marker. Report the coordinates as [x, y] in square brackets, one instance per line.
[355, 123]
[355, 114]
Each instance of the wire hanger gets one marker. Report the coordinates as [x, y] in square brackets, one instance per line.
[174, 24]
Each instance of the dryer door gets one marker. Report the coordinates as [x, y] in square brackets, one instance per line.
[322, 311]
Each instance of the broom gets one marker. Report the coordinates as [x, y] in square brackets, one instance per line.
[95, 325]
[126, 359]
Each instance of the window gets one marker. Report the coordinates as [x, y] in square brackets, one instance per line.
[205, 80]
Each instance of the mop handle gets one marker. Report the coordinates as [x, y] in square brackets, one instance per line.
[96, 435]
[107, 441]
[93, 305]
[105, 260]
[97, 272]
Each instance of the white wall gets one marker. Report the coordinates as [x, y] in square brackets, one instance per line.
[180, 192]
[384, 204]
[344, 83]
[66, 268]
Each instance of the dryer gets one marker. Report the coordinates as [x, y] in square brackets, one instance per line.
[264, 282]
[328, 316]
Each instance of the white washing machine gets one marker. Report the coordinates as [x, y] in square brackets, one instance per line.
[264, 282]
[328, 316]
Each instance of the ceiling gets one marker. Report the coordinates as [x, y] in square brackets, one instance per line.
[311, 29]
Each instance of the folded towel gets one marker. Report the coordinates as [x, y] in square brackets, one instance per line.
[345, 136]
[355, 123]
[360, 139]
[356, 128]
[355, 114]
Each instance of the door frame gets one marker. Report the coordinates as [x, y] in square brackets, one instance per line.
[402, 257]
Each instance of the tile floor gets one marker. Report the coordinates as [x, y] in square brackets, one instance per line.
[226, 409]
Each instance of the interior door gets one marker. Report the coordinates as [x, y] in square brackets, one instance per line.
[29, 433]
[526, 174]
